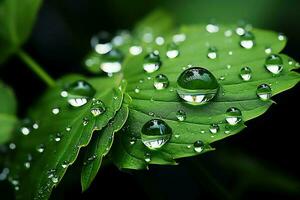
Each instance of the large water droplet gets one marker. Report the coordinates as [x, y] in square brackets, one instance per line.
[161, 82]
[172, 51]
[102, 42]
[246, 73]
[151, 62]
[212, 53]
[197, 85]
[97, 108]
[214, 128]
[181, 115]
[79, 93]
[233, 116]
[111, 62]
[156, 133]
[264, 92]
[198, 146]
[274, 64]
[247, 40]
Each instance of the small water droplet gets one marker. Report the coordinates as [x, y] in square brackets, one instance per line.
[199, 146]
[214, 128]
[64, 94]
[148, 37]
[247, 40]
[268, 50]
[147, 157]
[228, 33]
[240, 30]
[212, 28]
[65, 164]
[54, 179]
[57, 137]
[135, 50]
[97, 108]
[68, 129]
[12, 146]
[85, 121]
[40, 148]
[172, 51]
[181, 115]
[132, 140]
[233, 116]
[27, 165]
[274, 64]
[155, 133]
[222, 78]
[197, 86]
[35, 126]
[55, 111]
[102, 42]
[151, 62]
[246, 73]
[160, 40]
[212, 53]
[178, 38]
[230, 53]
[264, 92]
[161, 81]
[176, 135]
[80, 92]
[112, 61]
[25, 130]
[137, 90]
[281, 37]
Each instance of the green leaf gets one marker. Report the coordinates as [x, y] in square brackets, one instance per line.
[16, 21]
[149, 103]
[75, 127]
[100, 146]
[8, 117]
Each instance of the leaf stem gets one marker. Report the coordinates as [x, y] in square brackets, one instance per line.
[36, 68]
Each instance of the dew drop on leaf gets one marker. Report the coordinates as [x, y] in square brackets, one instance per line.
[135, 50]
[268, 50]
[40, 148]
[102, 42]
[65, 164]
[214, 128]
[198, 146]
[172, 51]
[152, 62]
[178, 38]
[112, 61]
[57, 137]
[160, 40]
[155, 133]
[181, 115]
[161, 81]
[233, 116]
[197, 86]
[247, 40]
[64, 94]
[97, 108]
[274, 64]
[85, 121]
[212, 53]
[12, 146]
[212, 28]
[80, 92]
[132, 140]
[147, 157]
[264, 92]
[55, 111]
[246, 73]
[281, 37]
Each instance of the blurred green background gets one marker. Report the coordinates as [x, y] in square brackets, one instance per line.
[259, 162]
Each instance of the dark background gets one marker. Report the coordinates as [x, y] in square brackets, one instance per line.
[59, 43]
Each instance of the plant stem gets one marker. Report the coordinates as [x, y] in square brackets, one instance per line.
[36, 68]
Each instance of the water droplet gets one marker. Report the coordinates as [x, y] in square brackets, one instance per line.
[230, 53]
[35, 126]
[197, 85]
[148, 37]
[80, 92]
[246, 73]
[147, 157]
[65, 164]
[214, 128]
[40, 148]
[68, 129]
[181, 115]
[161, 82]
[264, 92]
[97, 108]
[25, 130]
[132, 140]
[172, 51]
[55, 111]
[212, 28]
[198, 146]
[155, 133]
[176, 135]
[274, 64]
[222, 78]
[135, 50]
[228, 33]
[233, 116]
[212, 53]
[27, 165]
[240, 30]
[151, 62]
[160, 40]
[247, 40]
[137, 90]
[178, 38]
[281, 37]
[57, 137]
[54, 179]
[102, 42]
[12, 146]
[111, 62]
[64, 94]
[85, 121]
[268, 50]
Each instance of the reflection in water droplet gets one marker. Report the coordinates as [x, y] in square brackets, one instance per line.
[80, 92]
[181, 115]
[214, 128]
[155, 133]
[161, 82]
[197, 86]
[111, 62]
[233, 116]
[132, 140]
[274, 64]
[172, 51]
[246, 73]
[57, 137]
[97, 108]
[212, 53]
[101, 42]
[151, 62]
[268, 50]
[247, 40]
[264, 92]
[198, 146]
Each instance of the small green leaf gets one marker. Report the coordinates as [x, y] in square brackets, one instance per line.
[8, 117]
[16, 21]
[63, 130]
[149, 103]
[100, 146]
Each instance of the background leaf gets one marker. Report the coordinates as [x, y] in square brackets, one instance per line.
[8, 119]
[74, 126]
[149, 103]
[16, 21]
